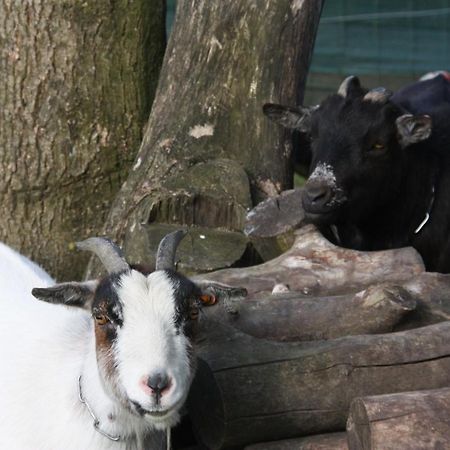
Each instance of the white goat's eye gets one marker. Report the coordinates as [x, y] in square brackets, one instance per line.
[101, 319]
[208, 299]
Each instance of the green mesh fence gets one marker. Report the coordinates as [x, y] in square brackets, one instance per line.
[385, 42]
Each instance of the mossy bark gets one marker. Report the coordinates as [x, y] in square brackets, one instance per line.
[224, 60]
[78, 79]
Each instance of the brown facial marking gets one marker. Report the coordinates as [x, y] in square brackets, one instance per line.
[104, 338]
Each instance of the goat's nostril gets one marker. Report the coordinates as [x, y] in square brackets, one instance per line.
[318, 193]
[159, 382]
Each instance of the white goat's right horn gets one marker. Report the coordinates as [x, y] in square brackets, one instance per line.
[108, 252]
[165, 256]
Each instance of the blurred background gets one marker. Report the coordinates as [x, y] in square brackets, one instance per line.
[386, 42]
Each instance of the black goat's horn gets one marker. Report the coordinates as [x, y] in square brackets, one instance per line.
[347, 84]
[378, 95]
[165, 257]
[108, 252]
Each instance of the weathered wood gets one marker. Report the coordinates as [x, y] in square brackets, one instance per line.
[330, 441]
[432, 293]
[271, 224]
[402, 421]
[194, 252]
[223, 61]
[252, 390]
[316, 267]
[293, 317]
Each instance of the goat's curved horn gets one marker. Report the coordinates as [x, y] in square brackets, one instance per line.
[165, 257]
[345, 86]
[378, 95]
[108, 252]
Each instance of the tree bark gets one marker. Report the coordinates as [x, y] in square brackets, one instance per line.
[291, 317]
[330, 441]
[78, 79]
[410, 420]
[316, 267]
[208, 153]
[252, 390]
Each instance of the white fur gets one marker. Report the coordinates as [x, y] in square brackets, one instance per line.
[45, 348]
[324, 173]
[18, 275]
[152, 345]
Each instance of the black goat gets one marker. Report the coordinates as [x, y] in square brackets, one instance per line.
[379, 175]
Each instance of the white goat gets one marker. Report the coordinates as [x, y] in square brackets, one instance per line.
[119, 357]
[18, 275]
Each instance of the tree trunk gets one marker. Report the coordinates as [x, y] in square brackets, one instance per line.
[403, 421]
[331, 441]
[208, 153]
[78, 78]
[292, 317]
[252, 390]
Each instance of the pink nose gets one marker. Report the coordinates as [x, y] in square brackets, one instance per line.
[157, 384]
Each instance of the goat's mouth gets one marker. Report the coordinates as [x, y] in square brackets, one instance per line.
[326, 214]
[155, 413]
[322, 217]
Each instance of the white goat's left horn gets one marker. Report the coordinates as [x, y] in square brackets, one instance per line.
[165, 257]
[108, 252]
[378, 95]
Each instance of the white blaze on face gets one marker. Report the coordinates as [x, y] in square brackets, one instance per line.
[148, 342]
[324, 173]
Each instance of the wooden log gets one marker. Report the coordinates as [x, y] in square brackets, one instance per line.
[330, 441]
[432, 293]
[251, 390]
[293, 317]
[316, 267]
[402, 421]
[270, 225]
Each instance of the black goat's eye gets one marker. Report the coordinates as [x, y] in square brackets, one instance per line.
[378, 146]
[101, 319]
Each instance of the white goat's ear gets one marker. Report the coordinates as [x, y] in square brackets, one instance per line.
[289, 117]
[76, 294]
[211, 293]
[412, 129]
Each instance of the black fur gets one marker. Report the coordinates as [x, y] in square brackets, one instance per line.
[106, 300]
[186, 298]
[389, 191]
[386, 166]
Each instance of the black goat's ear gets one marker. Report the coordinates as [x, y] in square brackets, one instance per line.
[289, 117]
[412, 129]
[76, 294]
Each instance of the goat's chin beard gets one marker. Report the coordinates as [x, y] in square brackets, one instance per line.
[167, 421]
